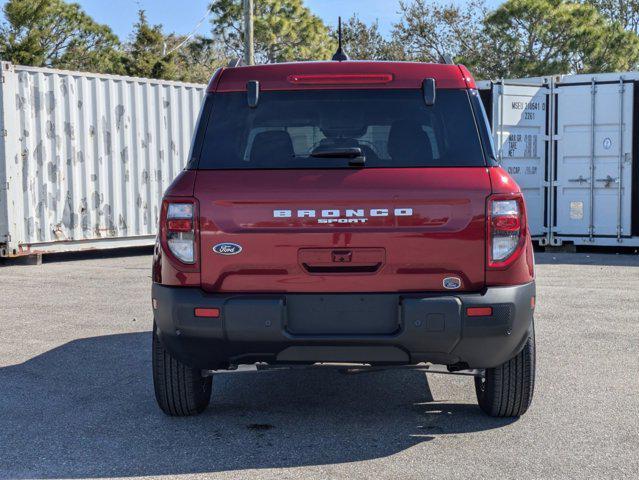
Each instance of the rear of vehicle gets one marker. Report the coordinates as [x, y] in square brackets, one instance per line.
[343, 212]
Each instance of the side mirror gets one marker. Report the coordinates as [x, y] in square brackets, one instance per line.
[428, 89]
[252, 93]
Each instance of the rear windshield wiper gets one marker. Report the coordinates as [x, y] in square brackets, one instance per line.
[354, 155]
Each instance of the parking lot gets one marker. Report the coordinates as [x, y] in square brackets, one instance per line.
[77, 400]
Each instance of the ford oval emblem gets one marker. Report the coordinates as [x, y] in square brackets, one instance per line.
[227, 248]
[452, 283]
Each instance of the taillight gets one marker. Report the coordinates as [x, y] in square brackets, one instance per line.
[506, 229]
[179, 230]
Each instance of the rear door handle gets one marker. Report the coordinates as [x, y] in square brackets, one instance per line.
[342, 260]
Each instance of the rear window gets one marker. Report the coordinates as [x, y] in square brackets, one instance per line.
[393, 128]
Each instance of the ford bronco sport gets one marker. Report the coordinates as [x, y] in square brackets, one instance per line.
[343, 213]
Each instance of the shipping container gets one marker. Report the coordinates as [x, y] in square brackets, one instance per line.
[519, 115]
[85, 158]
[571, 142]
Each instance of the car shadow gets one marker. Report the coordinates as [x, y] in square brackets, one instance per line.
[86, 409]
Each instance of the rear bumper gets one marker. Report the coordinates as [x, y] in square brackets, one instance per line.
[377, 328]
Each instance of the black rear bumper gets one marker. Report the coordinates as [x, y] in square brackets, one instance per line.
[376, 328]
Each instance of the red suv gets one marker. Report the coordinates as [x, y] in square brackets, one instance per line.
[343, 213]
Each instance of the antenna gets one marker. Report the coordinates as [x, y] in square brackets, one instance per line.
[447, 59]
[339, 55]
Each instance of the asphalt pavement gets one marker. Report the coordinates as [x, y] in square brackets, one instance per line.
[76, 398]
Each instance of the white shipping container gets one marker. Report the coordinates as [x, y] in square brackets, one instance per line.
[85, 158]
[581, 184]
[593, 178]
[519, 113]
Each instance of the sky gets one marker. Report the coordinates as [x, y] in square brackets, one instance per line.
[181, 16]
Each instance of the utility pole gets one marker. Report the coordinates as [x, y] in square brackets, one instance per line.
[249, 56]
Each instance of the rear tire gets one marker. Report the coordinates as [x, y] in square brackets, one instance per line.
[179, 389]
[507, 390]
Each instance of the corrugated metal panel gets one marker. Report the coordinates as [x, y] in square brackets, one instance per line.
[520, 118]
[88, 156]
[593, 182]
[589, 169]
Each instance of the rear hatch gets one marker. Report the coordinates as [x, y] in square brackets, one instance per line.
[342, 191]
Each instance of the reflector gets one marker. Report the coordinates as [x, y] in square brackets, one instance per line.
[479, 311]
[207, 312]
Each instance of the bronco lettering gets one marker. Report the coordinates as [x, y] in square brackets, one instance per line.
[348, 213]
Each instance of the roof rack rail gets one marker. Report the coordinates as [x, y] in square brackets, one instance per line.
[235, 62]
[447, 59]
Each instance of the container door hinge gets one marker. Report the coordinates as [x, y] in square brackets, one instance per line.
[4, 132]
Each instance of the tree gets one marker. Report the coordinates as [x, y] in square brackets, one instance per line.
[53, 33]
[147, 52]
[151, 53]
[624, 12]
[199, 58]
[428, 30]
[365, 42]
[542, 37]
[284, 30]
